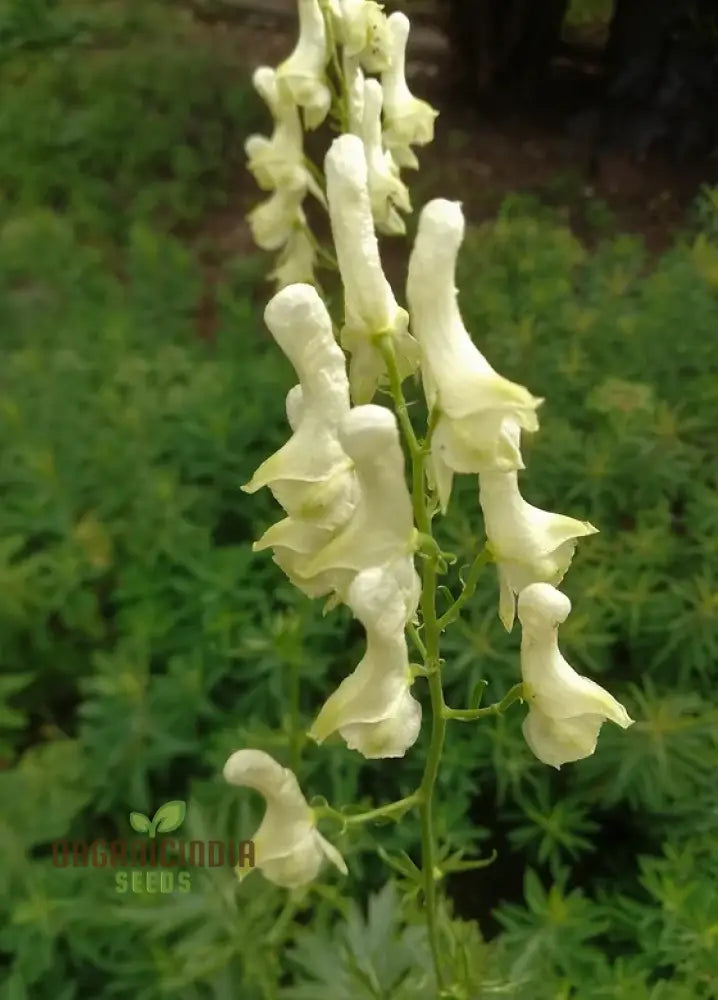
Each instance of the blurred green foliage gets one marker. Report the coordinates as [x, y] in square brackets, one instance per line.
[141, 640]
[117, 112]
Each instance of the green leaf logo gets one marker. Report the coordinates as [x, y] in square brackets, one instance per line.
[168, 817]
[140, 822]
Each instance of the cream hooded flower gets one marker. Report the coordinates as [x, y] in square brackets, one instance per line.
[370, 308]
[381, 527]
[288, 848]
[408, 121]
[364, 33]
[475, 402]
[295, 261]
[274, 220]
[373, 709]
[529, 545]
[278, 162]
[387, 192]
[310, 475]
[301, 76]
[566, 710]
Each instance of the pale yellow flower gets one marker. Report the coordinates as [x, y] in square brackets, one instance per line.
[566, 710]
[373, 709]
[528, 545]
[302, 75]
[288, 848]
[369, 304]
[476, 404]
[387, 192]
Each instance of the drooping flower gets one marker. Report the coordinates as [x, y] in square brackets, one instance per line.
[408, 121]
[370, 308]
[278, 162]
[274, 220]
[528, 545]
[387, 192]
[364, 33]
[381, 527]
[373, 709]
[295, 261]
[474, 401]
[288, 848]
[302, 74]
[566, 710]
[310, 475]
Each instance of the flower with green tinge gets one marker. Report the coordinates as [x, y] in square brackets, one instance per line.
[354, 85]
[528, 545]
[370, 308]
[363, 31]
[301, 77]
[373, 709]
[408, 121]
[566, 710]
[310, 475]
[387, 192]
[288, 848]
[381, 527]
[295, 261]
[475, 403]
[278, 162]
[274, 220]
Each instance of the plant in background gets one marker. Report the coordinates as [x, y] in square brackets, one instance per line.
[353, 528]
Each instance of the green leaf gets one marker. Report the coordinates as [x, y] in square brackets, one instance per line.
[168, 817]
[139, 822]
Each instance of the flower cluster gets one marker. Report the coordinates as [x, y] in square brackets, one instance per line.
[349, 533]
[302, 90]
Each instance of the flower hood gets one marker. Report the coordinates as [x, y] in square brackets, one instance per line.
[529, 545]
[372, 708]
[288, 848]
[311, 475]
[387, 192]
[474, 400]
[566, 710]
[301, 76]
[408, 120]
[370, 308]
[381, 528]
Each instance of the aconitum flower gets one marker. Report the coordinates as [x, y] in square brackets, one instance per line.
[288, 848]
[296, 259]
[302, 74]
[475, 403]
[370, 308]
[408, 121]
[373, 709]
[274, 220]
[381, 527]
[278, 162]
[528, 545]
[364, 33]
[387, 192]
[310, 475]
[566, 710]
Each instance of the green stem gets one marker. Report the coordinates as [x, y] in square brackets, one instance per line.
[418, 452]
[381, 812]
[516, 693]
[467, 593]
